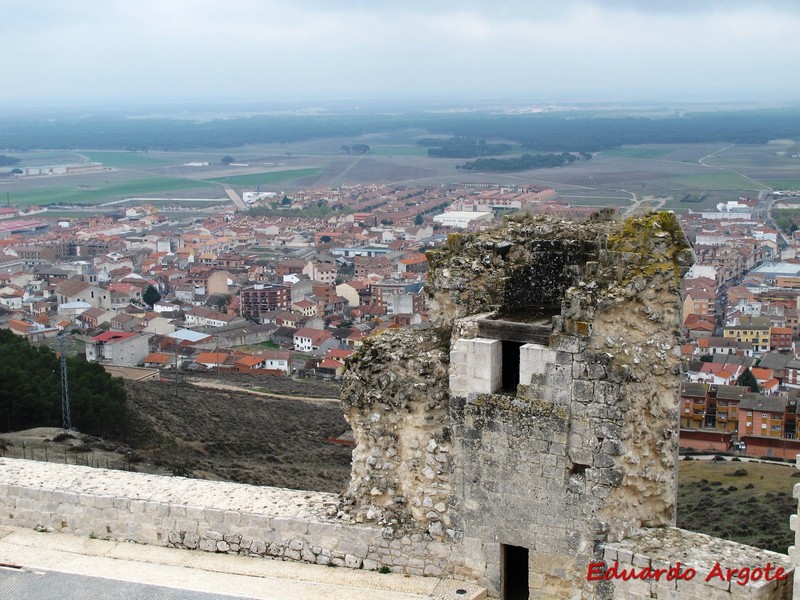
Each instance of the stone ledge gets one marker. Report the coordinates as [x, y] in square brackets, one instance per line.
[34, 476]
[665, 547]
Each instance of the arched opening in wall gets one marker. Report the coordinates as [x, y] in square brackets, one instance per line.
[514, 561]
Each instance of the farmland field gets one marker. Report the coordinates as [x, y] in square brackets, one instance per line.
[398, 151]
[784, 184]
[613, 177]
[122, 160]
[254, 179]
[721, 181]
[637, 152]
[59, 191]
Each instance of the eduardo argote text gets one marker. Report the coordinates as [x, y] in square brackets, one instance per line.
[599, 571]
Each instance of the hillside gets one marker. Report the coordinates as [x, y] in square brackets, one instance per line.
[236, 435]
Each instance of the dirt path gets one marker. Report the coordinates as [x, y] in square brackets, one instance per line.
[225, 386]
[720, 151]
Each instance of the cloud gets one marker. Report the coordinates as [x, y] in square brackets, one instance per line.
[260, 50]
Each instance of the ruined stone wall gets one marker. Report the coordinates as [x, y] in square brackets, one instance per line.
[395, 398]
[579, 450]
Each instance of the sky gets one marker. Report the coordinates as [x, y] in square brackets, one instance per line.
[115, 52]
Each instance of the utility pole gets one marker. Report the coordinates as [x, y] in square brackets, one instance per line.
[66, 419]
[177, 344]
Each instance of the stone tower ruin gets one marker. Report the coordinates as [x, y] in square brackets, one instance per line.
[536, 418]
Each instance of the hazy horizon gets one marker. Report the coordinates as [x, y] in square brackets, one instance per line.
[119, 53]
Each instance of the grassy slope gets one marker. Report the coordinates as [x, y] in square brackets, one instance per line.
[752, 509]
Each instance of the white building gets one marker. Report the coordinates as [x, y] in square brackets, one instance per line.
[462, 219]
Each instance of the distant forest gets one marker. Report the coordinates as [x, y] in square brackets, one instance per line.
[577, 132]
[461, 147]
[522, 163]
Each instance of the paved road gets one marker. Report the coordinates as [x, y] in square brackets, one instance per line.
[238, 202]
[34, 584]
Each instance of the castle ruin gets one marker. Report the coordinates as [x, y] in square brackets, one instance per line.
[529, 433]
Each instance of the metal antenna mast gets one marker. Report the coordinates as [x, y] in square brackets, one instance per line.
[66, 419]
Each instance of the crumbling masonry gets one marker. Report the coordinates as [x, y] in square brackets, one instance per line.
[552, 432]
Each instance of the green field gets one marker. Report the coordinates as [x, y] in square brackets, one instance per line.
[46, 158]
[752, 507]
[636, 152]
[784, 184]
[397, 151]
[720, 181]
[123, 160]
[268, 177]
[65, 194]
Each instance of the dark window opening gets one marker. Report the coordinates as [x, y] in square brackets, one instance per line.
[578, 470]
[515, 572]
[511, 366]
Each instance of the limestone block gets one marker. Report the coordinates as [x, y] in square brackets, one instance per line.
[352, 561]
[533, 358]
[207, 545]
[231, 518]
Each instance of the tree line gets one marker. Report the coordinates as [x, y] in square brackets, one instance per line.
[578, 131]
[521, 163]
[461, 147]
[30, 390]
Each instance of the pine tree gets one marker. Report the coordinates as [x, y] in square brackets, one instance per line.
[747, 379]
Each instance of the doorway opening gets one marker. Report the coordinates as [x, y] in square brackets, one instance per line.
[510, 366]
[515, 572]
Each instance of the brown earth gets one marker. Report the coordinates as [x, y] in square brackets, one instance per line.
[215, 434]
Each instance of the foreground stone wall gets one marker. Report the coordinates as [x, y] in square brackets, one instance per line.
[205, 515]
[704, 562]
[294, 525]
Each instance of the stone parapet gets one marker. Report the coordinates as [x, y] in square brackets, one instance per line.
[668, 562]
[208, 516]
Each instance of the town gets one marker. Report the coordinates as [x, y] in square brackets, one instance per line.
[291, 286]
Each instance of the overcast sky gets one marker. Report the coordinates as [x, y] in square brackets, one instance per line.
[59, 52]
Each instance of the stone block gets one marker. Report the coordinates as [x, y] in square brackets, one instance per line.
[287, 525]
[583, 391]
[567, 343]
[197, 512]
[207, 545]
[534, 357]
[232, 518]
